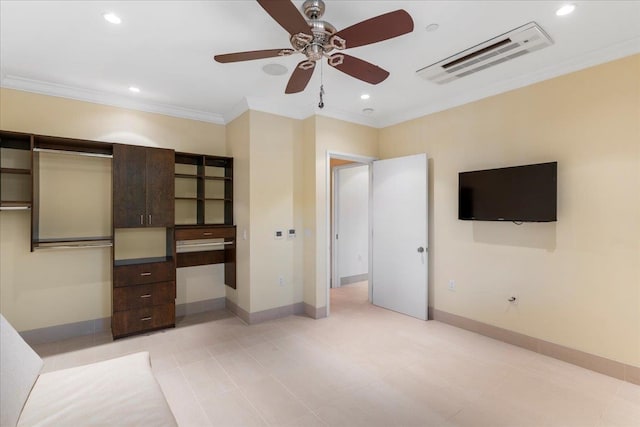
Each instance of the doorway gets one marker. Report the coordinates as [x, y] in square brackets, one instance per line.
[348, 212]
[397, 202]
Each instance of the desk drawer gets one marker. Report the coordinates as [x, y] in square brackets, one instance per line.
[143, 319]
[205, 233]
[131, 297]
[139, 274]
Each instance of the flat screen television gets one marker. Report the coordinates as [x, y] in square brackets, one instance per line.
[520, 194]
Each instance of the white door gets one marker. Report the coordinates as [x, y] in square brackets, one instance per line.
[399, 241]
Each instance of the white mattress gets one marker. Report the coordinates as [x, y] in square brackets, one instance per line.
[116, 392]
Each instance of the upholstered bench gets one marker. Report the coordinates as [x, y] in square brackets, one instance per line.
[116, 392]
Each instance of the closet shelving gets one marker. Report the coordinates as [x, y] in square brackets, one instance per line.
[15, 171]
[78, 150]
[205, 233]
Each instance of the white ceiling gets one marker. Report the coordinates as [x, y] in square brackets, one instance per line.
[166, 48]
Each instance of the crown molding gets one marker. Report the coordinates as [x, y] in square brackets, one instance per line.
[280, 108]
[300, 112]
[610, 53]
[104, 98]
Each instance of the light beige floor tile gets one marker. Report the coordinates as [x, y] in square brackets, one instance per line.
[242, 368]
[193, 355]
[621, 413]
[231, 409]
[223, 346]
[308, 420]
[207, 378]
[274, 402]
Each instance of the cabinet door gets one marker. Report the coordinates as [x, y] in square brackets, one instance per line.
[129, 168]
[160, 187]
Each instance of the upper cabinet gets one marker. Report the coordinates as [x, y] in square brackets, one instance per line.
[143, 186]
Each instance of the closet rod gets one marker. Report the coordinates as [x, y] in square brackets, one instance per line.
[14, 208]
[189, 245]
[79, 246]
[74, 153]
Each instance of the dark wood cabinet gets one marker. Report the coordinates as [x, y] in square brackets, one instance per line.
[143, 187]
[129, 322]
[202, 245]
[144, 289]
[143, 298]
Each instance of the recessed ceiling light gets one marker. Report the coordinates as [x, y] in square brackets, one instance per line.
[365, 96]
[112, 17]
[565, 10]
[368, 110]
[134, 89]
[432, 27]
[274, 69]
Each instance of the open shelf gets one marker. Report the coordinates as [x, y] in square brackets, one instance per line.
[15, 171]
[204, 188]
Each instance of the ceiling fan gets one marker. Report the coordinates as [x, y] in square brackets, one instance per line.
[316, 39]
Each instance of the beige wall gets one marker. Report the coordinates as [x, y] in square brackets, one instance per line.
[333, 136]
[52, 287]
[577, 279]
[238, 140]
[273, 145]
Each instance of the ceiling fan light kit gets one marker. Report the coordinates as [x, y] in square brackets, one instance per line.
[316, 39]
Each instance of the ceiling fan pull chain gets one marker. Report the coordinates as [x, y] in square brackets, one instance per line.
[321, 103]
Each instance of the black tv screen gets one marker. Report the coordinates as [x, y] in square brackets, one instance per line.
[520, 193]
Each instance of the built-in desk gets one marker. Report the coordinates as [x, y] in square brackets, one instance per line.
[207, 244]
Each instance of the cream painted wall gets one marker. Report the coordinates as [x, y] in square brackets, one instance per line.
[274, 206]
[238, 140]
[578, 279]
[53, 287]
[308, 211]
[338, 137]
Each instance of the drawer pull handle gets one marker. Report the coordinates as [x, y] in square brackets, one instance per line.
[145, 274]
[145, 296]
[207, 234]
[144, 319]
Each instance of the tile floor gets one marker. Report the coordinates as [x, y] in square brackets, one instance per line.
[363, 366]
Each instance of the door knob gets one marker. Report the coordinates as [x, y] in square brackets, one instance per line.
[420, 249]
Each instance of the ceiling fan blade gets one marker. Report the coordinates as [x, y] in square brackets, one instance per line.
[377, 29]
[287, 15]
[300, 77]
[355, 67]
[253, 54]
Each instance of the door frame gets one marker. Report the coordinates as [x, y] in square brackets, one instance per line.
[329, 215]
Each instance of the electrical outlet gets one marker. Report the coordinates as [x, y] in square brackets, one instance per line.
[452, 285]
[281, 281]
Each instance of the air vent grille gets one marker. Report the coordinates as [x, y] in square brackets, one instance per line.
[520, 41]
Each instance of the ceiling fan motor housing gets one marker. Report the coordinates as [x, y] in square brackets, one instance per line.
[313, 9]
[315, 46]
